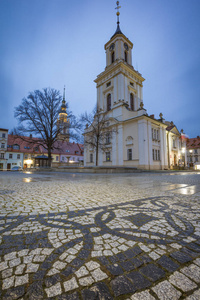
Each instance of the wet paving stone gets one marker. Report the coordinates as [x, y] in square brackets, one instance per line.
[168, 263]
[138, 280]
[91, 237]
[153, 272]
[97, 292]
[181, 257]
[121, 285]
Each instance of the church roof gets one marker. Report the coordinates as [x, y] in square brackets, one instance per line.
[118, 31]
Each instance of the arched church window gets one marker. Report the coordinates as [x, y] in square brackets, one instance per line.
[125, 56]
[109, 102]
[131, 101]
[112, 57]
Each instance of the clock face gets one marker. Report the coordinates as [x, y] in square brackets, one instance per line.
[126, 46]
[112, 47]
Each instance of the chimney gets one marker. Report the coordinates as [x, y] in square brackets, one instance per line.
[30, 136]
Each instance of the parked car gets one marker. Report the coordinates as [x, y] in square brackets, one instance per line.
[16, 168]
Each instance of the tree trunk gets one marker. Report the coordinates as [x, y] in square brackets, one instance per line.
[49, 158]
[97, 153]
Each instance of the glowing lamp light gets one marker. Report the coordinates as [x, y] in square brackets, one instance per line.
[29, 161]
[183, 150]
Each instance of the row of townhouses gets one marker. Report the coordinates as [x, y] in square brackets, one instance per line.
[26, 154]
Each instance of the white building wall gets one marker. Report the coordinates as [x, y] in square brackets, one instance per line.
[143, 143]
[120, 145]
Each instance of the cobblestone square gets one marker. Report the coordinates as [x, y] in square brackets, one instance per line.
[99, 236]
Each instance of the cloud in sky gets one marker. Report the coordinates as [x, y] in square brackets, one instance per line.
[50, 43]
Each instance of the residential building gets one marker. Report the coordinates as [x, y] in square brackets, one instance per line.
[3, 148]
[193, 152]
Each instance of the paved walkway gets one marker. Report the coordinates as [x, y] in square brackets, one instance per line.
[134, 236]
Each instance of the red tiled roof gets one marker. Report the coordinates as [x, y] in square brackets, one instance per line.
[193, 143]
[28, 146]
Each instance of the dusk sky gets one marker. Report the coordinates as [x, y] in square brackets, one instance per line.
[52, 43]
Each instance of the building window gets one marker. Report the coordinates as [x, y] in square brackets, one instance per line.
[125, 56]
[195, 151]
[16, 147]
[63, 158]
[158, 154]
[107, 156]
[132, 101]
[108, 84]
[57, 158]
[109, 102]
[196, 158]
[112, 57]
[3, 135]
[18, 156]
[129, 154]
[2, 155]
[26, 156]
[108, 138]
[156, 157]
[131, 83]
[91, 157]
[154, 135]
[174, 143]
[157, 134]
[153, 153]
[10, 155]
[2, 146]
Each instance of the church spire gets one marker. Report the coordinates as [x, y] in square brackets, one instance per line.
[64, 95]
[118, 30]
[118, 13]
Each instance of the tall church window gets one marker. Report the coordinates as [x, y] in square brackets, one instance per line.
[125, 56]
[109, 102]
[129, 154]
[131, 101]
[91, 157]
[112, 57]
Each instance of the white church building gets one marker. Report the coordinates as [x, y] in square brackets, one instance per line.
[139, 140]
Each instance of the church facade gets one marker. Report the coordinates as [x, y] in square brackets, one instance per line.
[137, 140]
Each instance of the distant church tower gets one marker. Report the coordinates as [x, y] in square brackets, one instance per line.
[62, 122]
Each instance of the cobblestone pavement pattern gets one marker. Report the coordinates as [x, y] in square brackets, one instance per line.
[67, 236]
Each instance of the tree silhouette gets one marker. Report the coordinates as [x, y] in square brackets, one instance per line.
[37, 116]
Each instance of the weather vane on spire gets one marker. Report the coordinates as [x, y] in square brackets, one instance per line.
[118, 13]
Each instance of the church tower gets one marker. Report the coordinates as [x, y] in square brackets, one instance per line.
[134, 138]
[119, 83]
[62, 122]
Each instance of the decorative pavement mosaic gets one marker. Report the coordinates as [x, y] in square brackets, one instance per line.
[134, 236]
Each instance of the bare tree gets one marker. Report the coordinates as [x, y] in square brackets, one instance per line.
[98, 131]
[37, 115]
